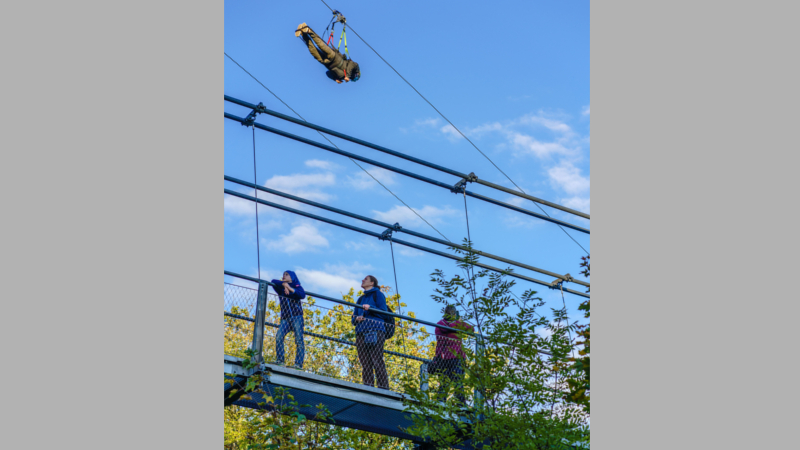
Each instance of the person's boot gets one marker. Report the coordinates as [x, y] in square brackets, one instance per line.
[302, 28]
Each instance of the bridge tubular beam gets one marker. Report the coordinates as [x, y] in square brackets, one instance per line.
[397, 241]
[406, 173]
[397, 228]
[404, 156]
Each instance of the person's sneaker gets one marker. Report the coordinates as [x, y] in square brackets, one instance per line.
[302, 28]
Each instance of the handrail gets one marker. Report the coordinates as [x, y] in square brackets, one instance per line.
[406, 173]
[342, 302]
[398, 241]
[329, 338]
[404, 156]
[354, 305]
[399, 229]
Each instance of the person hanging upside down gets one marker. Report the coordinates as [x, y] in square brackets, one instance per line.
[339, 67]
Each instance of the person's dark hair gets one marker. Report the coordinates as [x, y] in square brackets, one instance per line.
[450, 310]
[374, 281]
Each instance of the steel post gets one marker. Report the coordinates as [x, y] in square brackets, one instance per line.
[258, 324]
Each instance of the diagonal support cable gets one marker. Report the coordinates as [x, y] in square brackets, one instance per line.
[508, 272]
[399, 229]
[454, 127]
[331, 142]
[407, 173]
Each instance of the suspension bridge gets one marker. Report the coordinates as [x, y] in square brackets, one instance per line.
[332, 373]
[329, 367]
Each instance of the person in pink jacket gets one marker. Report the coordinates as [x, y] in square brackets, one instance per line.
[449, 358]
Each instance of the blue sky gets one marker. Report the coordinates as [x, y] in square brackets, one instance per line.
[514, 77]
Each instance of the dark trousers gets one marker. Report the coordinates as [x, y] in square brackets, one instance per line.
[451, 368]
[371, 358]
[325, 54]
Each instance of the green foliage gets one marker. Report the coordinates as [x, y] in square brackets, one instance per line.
[279, 425]
[530, 400]
[579, 381]
[519, 388]
[284, 426]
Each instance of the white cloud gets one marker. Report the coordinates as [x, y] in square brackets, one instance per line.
[430, 122]
[334, 278]
[585, 111]
[326, 283]
[521, 221]
[405, 251]
[320, 164]
[421, 125]
[528, 144]
[405, 217]
[579, 203]
[516, 201]
[301, 238]
[304, 185]
[362, 181]
[362, 245]
[550, 124]
[300, 181]
[568, 178]
[450, 132]
[485, 128]
[237, 206]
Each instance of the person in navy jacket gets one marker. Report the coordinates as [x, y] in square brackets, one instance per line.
[290, 293]
[370, 333]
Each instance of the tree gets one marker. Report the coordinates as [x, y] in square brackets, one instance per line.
[579, 381]
[518, 375]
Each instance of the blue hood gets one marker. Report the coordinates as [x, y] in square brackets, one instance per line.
[295, 280]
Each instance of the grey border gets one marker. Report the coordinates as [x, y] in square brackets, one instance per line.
[694, 164]
[111, 261]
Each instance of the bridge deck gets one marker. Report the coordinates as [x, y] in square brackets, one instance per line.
[351, 404]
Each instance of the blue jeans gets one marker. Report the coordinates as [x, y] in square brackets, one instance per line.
[295, 324]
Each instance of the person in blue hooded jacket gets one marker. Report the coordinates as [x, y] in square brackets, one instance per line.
[370, 333]
[290, 292]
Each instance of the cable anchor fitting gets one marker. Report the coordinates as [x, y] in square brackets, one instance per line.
[388, 233]
[459, 187]
[339, 17]
[558, 283]
[251, 118]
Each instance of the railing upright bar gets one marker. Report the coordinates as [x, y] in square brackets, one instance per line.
[258, 324]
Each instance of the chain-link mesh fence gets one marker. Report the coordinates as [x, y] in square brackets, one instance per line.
[330, 341]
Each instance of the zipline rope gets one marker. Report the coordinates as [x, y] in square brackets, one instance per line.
[456, 128]
[331, 142]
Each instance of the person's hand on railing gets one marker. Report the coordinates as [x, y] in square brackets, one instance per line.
[361, 318]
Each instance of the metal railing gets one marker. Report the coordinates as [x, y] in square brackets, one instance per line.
[328, 343]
